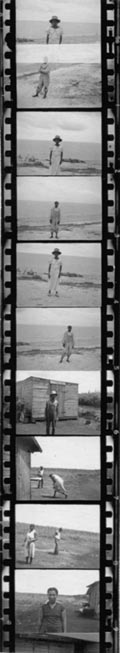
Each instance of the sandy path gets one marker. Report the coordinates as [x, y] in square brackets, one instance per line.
[76, 233]
[32, 293]
[87, 360]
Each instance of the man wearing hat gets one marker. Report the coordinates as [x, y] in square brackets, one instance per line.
[56, 156]
[50, 413]
[55, 219]
[54, 33]
[68, 344]
[54, 272]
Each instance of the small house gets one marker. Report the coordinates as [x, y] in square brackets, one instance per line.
[93, 596]
[25, 445]
[32, 394]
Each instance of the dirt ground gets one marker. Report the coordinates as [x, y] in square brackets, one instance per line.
[34, 293]
[76, 549]
[76, 85]
[89, 359]
[81, 426]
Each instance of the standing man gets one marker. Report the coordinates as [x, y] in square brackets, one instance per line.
[58, 485]
[55, 216]
[54, 272]
[56, 156]
[44, 79]
[68, 344]
[40, 474]
[53, 615]
[50, 414]
[30, 544]
[54, 33]
[57, 538]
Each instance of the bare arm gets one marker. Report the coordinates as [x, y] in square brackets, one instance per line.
[60, 270]
[41, 621]
[50, 156]
[49, 269]
[47, 38]
[64, 621]
[60, 39]
[61, 156]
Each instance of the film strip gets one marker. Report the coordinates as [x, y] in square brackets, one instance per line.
[110, 322]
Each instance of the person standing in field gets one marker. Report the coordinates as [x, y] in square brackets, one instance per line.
[40, 474]
[68, 344]
[54, 33]
[30, 540]
[53, 615]
[57, 538]
[54, 272]
[44, 79]
[55, 216]
[58, 485]
[56, 156]
[50, 414]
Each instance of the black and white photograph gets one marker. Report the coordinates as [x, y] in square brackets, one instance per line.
[59, 276]
[51, 339]
[58, 77]
[58, 403]
[57, 601]
[59, 210]
[69, 468]
[59, 143]
[46, 539]
[62, 22]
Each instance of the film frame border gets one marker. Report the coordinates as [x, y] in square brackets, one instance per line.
[110, 246]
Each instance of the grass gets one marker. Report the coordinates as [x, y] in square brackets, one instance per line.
[80, 485]
[76, 549]
[28, 614]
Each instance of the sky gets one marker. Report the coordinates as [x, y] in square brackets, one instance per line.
[67, 10]
[78, 189]
[75, 316]
[92, 250]
[87, 381]
[71, 126]
[73, 517]
[70, 53]
[68, 453]
[69, 582]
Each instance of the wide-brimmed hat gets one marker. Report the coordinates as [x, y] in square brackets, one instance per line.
[56, 251]
[53, 392]
[54, 18]
[69, 326]
[57, 138]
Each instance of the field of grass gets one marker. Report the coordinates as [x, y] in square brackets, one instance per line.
[28, 614]
[76, 549]
[79, 484]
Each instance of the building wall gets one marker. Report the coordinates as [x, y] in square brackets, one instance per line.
[67, 398]
[24, 391]
[22, 472]
[29, 646]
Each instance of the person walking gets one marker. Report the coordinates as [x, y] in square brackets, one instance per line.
[55, 217]
[54, 272]
[68, 344]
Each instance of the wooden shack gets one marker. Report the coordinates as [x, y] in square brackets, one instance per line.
[93, 596]
[25, 445]
[33, 392]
